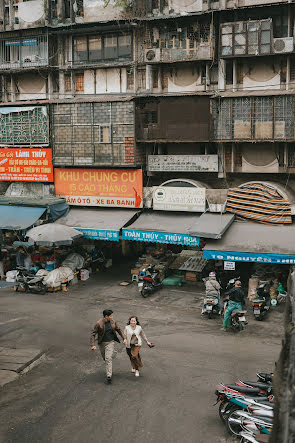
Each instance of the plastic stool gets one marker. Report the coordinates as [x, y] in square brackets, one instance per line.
[135, 277]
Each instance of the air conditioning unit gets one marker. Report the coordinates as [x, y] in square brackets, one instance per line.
[282, 45]
[152, 55]
[30, 59]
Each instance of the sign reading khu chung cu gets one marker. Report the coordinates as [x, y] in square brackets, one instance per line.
[100, 187]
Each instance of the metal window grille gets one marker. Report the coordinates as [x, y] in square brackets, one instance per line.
[26, 127]
[24, 52]
[256, 118]
[68, 83]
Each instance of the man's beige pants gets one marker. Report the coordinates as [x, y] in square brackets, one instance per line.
[107, 349]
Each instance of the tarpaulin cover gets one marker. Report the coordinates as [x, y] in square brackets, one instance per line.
[259, 202]
[171, 228]
[19, 217]
[59, 210]
[98, 223]
[211, 225]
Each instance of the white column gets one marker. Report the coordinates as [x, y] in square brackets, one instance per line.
[221, 74]
[149, 78]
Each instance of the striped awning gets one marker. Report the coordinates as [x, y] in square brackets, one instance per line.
[259, 202]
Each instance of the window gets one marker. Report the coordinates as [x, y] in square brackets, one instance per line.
[79, 82]
[150, 117]
[243, 38]
[130, 79]
[80, 48]
[95, 48]
[68, 83]
[104, 134]
[155, 75]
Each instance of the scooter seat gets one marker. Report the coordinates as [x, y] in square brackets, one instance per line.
[260, 385]
[248, 391]
[238, 311]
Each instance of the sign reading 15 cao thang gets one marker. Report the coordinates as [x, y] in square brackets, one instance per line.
[100, 187]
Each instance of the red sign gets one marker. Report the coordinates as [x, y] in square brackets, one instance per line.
[26, 164]
[100, 187]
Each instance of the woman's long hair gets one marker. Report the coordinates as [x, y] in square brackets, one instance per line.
[133, 316]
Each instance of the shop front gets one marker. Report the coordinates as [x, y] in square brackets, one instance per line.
[255, 252]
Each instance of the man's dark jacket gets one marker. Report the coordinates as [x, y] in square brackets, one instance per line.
[236, 294]
[99, 330]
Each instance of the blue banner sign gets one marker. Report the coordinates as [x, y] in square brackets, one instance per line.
[160, 237]
[100, 234]
[250, 257]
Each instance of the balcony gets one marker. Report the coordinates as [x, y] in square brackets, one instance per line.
[252, 38]
[18, 53]
[183, 163]
[178, 43]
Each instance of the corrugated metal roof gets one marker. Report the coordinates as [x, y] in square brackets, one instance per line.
[254, 93]
[30, 201]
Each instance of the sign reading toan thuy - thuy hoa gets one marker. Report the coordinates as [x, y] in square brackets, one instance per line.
[100, 187]
[26, 164]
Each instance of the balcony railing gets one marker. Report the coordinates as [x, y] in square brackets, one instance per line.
[24, 52]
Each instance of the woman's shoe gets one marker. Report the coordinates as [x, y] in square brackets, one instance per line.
[136, 373]
[132, 370]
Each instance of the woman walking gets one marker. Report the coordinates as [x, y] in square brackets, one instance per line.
[134, 335]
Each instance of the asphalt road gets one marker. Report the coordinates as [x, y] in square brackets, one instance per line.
[65, 399]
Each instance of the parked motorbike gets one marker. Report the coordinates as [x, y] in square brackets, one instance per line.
[210, 306]
[261, 304]
[246, 407]
[27, 281]
[240, 421]
[247, 437]
[238, 318]
[149, 281]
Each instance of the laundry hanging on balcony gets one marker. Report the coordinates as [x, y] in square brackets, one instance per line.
[259, 202]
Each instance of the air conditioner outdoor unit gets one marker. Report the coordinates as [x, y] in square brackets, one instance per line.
[152, 55]
[282, 45]
[30, 59]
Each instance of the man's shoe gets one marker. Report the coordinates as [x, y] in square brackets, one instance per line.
[109, 380]
[132, 370]
[136, 373]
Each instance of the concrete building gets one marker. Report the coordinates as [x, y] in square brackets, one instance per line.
[200, 90]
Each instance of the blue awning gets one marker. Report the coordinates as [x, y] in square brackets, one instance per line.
[19, 217]
[156, 227]
[254, 243]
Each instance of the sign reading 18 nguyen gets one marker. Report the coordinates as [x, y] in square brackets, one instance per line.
[100, 187]
[166, 198]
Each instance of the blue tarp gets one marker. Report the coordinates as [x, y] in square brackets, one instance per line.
[19, 217]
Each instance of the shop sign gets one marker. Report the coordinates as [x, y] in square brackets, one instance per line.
[99, 234]
[100, 187]
[166, 198]
[160, 237]
[229, 266]
[248, 257]
[26, 164]
[183, 163]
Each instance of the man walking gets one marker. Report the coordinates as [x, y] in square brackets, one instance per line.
[236, 298]
[106, 329]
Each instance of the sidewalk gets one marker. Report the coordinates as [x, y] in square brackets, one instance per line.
[15, 362]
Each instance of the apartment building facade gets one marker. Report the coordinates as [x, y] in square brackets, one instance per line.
[186, 90]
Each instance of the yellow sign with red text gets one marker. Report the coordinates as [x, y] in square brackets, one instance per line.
[100, 187]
